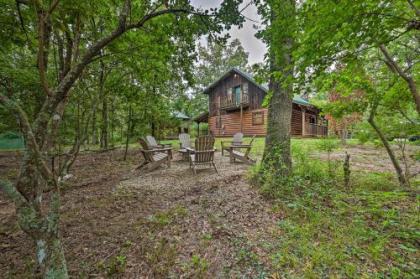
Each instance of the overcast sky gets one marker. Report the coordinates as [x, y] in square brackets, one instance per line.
[246, 34]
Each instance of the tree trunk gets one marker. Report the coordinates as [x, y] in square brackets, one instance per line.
[103, 96]
[50, 257]
[130, 112]
[277, 156]
[277, 162]
[104, 126]
[38, 215]
[400, 175]
[94, 134]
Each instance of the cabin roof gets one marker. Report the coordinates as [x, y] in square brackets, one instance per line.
[180, 115]
[202, 117]
[296, 99]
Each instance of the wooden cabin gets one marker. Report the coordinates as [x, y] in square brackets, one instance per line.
[235, 105]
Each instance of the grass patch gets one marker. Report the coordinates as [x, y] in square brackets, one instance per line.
[367, 231]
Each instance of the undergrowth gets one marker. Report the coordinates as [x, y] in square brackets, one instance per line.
[367, 230]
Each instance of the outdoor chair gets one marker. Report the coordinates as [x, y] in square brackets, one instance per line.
[185, 145]
[235, 152]
[151, 141]
[154, 157]
[237, 140]
[203, 154]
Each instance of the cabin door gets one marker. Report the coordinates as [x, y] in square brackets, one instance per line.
[237, 94]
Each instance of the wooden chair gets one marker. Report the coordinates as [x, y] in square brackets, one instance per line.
[184, 145]
[236, 154]
[154, 157]
[151, 141]
[237, 140]
[203, 153]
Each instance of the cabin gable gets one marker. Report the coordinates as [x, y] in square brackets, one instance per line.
[223, 89]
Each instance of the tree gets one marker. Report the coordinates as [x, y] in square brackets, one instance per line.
[62, 40]
[379, 96]
[332, 31]
[351, 34]
[280, 19]
[341, 124]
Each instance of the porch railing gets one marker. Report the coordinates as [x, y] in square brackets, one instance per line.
[315, 130]
[233, 102]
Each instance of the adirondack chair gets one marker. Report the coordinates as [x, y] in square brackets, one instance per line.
[236, 154]
[237, 140]
[151, 141]
[154, 157]
[203, 153]
[184, 145]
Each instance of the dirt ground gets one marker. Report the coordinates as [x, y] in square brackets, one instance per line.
[118, 221]
[370, 159]
[121, 222]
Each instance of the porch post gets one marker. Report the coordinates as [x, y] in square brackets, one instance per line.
[241, 119]
[241, 101]
[303, 122]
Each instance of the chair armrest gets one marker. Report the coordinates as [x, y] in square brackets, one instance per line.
[205, 151]
[241, 146]
[156, 150]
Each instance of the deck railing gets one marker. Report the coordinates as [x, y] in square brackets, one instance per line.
[233, 102]
[315, 130]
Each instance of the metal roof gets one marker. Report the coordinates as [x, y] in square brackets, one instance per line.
[296, 99]
[180, 115]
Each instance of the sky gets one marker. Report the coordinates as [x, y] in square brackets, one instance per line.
[246, 34]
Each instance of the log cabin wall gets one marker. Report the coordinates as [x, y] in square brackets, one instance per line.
[231, 124]
[230, 121]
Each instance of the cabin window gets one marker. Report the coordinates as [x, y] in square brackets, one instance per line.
[218, 122]
[312, 119]
[258, 118]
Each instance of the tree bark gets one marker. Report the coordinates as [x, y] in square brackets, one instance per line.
[50, 257]
[277, 161]
[104, 99]
[400, 175]
[129, 129]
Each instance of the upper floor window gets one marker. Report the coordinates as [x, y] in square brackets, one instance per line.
[236, 94]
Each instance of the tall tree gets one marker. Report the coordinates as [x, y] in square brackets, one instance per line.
[279, 35]
[336, 30]
[44, 32]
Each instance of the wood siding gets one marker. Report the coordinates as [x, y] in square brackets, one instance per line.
[256, 95]
[230, 119]
[231, 123]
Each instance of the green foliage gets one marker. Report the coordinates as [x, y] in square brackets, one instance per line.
[329, 231]
[328, 144]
